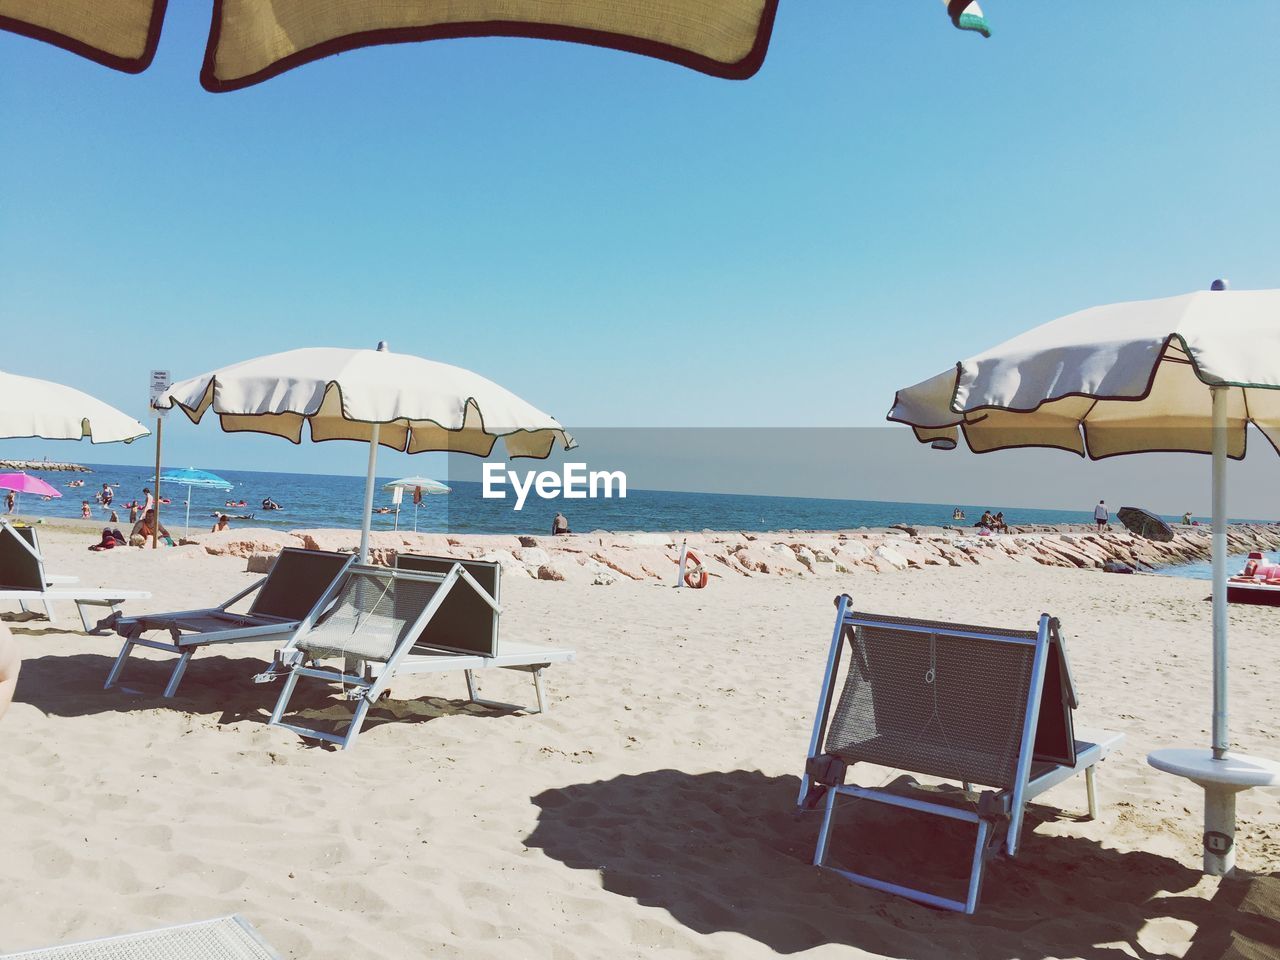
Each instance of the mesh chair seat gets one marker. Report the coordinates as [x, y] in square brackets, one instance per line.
[371, 617]
[227, 938]
[928, 699]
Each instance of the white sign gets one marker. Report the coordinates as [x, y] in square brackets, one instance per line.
[159, 384]
[397, 496]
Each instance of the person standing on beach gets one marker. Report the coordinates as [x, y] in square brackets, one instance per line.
[148, 501]
[10, 499]
[1100, 515]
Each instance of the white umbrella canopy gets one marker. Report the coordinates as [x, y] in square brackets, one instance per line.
[386, 399]
[1181, 374]
[51, 411]
[1123, 378]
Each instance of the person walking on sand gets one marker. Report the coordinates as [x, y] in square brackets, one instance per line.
[1100, 515]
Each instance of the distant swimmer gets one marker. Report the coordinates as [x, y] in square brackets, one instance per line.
[269, 504]
[236, 503]
[382, 510]
[957, 514]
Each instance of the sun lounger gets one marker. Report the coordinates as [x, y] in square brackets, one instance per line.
[23, 579]
[28, 533]
[226, 938]
[977, 705]
[428, 615]
[287, 600]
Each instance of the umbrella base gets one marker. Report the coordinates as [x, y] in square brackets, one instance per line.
[1221, 779]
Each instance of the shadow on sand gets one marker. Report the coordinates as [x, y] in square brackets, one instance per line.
[729, 851]
[216, 686]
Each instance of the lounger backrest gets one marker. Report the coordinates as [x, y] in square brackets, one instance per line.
[20, 565]
[29, 534]
[375, 612]
[944, 700]
[298, 580]
[464, 621]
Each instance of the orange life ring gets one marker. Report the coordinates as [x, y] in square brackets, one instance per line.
[695, 574]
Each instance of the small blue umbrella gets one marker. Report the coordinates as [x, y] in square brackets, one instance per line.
[191, 477]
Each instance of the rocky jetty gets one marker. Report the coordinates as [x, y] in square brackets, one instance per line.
[603, 558]
[31, 465]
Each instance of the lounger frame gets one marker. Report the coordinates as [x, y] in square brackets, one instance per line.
[1006, 804]
[241, 628]
[367, 681]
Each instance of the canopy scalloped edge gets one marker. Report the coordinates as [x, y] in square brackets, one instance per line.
[195, 414]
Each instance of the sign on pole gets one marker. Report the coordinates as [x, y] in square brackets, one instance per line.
[160, 382]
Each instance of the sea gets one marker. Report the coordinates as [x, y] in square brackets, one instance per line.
[318, 500]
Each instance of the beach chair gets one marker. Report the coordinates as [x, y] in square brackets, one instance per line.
[287, 600]
[225, 938]
[977, 705]
[28, 533]
[23, 579]
[428, 615]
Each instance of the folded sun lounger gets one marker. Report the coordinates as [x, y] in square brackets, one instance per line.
[28, 533]
[226, 938]
[288, 600]
[23, 579]
[977, 705]
[428, 615]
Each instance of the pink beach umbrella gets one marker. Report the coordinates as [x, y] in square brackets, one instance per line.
[25, 483]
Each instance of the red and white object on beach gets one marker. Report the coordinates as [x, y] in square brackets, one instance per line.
[1258, 583]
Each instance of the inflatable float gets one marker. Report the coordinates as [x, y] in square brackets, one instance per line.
[1257, 583]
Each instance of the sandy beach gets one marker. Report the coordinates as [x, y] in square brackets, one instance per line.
[649, 813]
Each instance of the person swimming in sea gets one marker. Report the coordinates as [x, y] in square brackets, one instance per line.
[269, 504]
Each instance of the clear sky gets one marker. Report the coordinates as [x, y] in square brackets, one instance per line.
[621, 241]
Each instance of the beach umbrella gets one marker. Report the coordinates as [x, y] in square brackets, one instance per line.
[24, 483]
[253, 40]
[421, 487]
[51, 411]
[381, 398]
[1145, 524]
[190, 478]
[1181, 374]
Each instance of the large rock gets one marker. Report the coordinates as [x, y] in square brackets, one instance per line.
[892, 556]
[246, 542]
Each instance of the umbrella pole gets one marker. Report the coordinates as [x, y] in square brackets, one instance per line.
[367, 520]
[1219, 798]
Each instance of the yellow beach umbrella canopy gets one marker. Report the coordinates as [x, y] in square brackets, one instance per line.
[253, 40]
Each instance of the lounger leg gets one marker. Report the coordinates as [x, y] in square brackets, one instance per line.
[824, 834]
[979, 865]
[537, 687]
[1092, 791]
[178, 671]
[357, 721]
[290, 682]
[118, 667]
[471, 685]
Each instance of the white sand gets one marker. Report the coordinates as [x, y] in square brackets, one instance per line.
[649, 813]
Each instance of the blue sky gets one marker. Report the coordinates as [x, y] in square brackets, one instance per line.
[621, 241]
